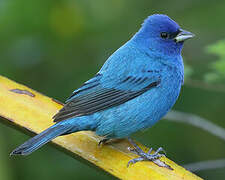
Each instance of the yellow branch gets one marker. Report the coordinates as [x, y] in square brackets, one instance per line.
[25, 108]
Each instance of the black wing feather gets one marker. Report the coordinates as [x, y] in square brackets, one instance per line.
[98, 100]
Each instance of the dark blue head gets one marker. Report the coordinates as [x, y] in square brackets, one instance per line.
[161, 35]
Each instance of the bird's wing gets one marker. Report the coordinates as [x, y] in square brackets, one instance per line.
[96, 95]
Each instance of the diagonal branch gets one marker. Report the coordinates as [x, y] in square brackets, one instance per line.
[205, 165]
[196, 121]
[30, 111]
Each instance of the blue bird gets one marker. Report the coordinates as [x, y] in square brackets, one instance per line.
[138, 84]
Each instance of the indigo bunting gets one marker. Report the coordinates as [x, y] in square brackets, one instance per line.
[138, 84]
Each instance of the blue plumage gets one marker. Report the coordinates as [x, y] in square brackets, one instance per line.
[135, 88]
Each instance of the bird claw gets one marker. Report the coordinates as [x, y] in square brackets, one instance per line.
[135, 150]
[144, 156]
[133, 161]
[102, 142]
[160, 149]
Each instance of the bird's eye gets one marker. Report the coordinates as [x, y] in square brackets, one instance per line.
[164, 35]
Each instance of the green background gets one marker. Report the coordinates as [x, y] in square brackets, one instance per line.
[53, 46]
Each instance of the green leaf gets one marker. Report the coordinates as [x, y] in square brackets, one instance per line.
[217, 67]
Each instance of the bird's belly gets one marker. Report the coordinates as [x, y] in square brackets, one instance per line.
[139, 113]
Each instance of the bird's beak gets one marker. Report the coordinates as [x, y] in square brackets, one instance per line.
[183, 35]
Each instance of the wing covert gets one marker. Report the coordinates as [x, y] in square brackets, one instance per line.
[95, 96]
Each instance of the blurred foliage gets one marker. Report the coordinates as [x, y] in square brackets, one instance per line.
[188, 71]
[53, 46]
[5, 171]
[217, 67]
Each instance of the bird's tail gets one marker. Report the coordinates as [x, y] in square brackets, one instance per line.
[39, 140]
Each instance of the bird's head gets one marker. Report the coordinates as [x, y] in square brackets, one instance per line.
[161, 35]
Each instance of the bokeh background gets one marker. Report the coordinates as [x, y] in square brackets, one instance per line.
[53, 46]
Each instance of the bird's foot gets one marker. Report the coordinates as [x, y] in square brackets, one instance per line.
[144, 156]
[103, 141]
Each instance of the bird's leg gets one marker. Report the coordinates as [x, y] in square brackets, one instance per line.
[103, 141]
[137, 150]
[144, 156]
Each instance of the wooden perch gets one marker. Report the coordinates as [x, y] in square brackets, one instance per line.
[31, 111]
